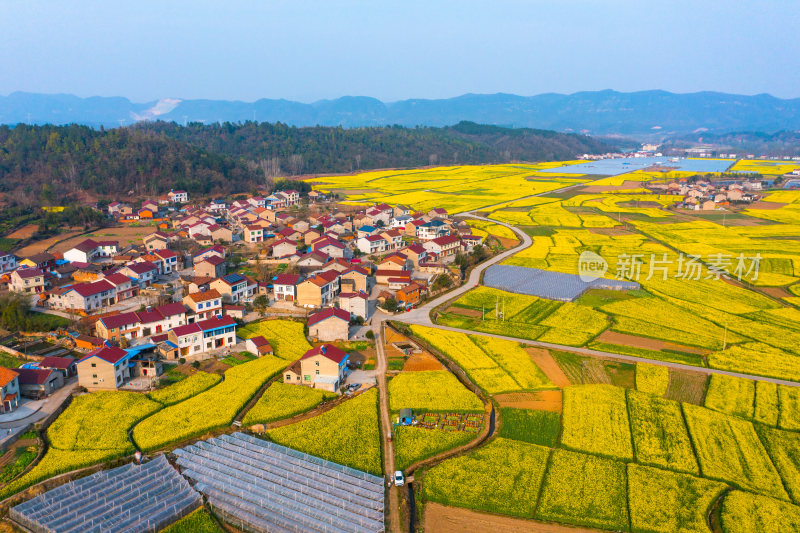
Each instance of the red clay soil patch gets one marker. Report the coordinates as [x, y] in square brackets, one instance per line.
[623, 339]
[548, 365]
[443, 519]
[25, 232]
[212, 366]
[546, 400]
[464, 312]
[776, 292]
[420, 362]
[507, 243]
[42, 246]
[767, 206]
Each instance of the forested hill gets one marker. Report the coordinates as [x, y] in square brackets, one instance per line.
[151, 158]
[315, 150]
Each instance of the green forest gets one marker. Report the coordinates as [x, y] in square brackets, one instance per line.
[49, 165]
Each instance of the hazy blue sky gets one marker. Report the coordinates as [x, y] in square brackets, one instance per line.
[304, 50]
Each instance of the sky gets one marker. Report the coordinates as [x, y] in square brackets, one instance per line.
[310, 50]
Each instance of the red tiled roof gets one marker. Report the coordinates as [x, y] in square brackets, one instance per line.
[62, 363]
[358, 269]
[447, 239]
[186, 329]
[111, 354]
[348, 295]
[122, 319]
[86, 246]
[141, 268]
[393, 273]
[327, 350]
[213, 260]
[287, 279]
[168, 310]
[331, 312]
[203, 296]
[213, 323]
[90, 289]
[165, 253]
[33, 376]
[117, 279]
[26, 273]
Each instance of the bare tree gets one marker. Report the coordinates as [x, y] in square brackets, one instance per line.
[433, 158]
[358, 161]
[296, 164]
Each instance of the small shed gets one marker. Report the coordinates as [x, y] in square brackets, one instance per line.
[406, 417]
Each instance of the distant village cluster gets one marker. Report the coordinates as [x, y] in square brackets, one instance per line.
[181, 292]
[705, 195]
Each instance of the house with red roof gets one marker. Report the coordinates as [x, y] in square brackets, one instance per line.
[27, 280]
[212, 266]
[283, 248]
[83, 297]
[355, 279]
[115, 327]
[331, 324]
[203, 305]
[203, 336]
[284, 287]
[323, 367]
[178, 197]
[258, 346]
[318, 290]
[39, 383]
[445, 246]
[106, 368]
[123, 286]
[355, 303]
[66, 365]
[372, 244]
[143, 274]
[331, 248]
[170, 260]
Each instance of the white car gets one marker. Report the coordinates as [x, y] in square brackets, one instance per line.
[399, 479]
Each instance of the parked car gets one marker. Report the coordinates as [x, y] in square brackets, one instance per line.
[399, 479]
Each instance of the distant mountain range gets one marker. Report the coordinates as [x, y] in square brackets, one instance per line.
[646, 113]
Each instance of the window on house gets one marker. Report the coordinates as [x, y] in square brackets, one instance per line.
[94, 365]
[94, 376]
[318, 372]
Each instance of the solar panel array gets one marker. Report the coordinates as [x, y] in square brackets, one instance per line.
[130, 499]
[546, 284]
[261, 486]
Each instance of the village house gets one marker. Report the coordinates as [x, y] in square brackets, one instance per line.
[312, 259]
[84, 297]
[323, 367]
[27, 280]
[203, 336]
[178, 197]
[234, 288]
[319, 290]
[331, 248]
[39, 383]
[123, 286]
[43, 261]
[444, 247]
[330, 324]
[355, 303]
[253, 234]
[393, 238]
[432, 230]
[394, 261]
[162, 318]
[410, 294]
[90, 250]
[9, 390]
[67, 366]
[203, 305]
[8, 262]
[416, 253]
[116, 327]
[143, 274]
[283, 248]
[170, 261]
[221, 233]
[310, 236]
[258, 346]
[284, 287]
[355, 279]
[372, 244]
[156, 241]
[86, 342]
[385, 277]
[216, 250]
[213, 267]
[104, 369]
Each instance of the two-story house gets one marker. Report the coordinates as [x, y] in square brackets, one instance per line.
[323, 367]
[106, 368]
[8, 262]
[284, 287]
[203, 336]
[203, 305]
[318, 290]
[372, 244]
[27, 280]
[235, 288]
[9, 390]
